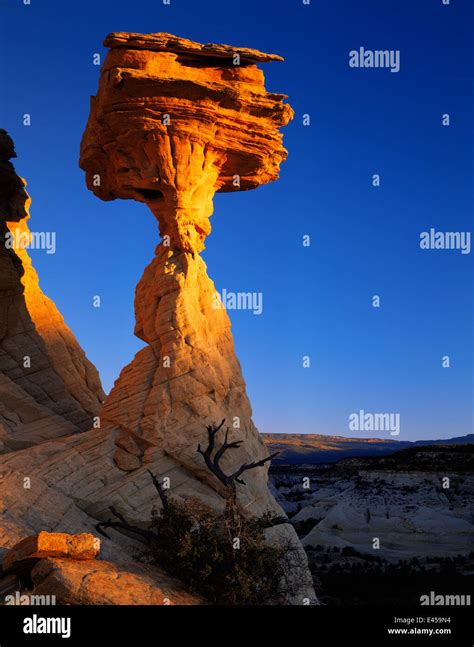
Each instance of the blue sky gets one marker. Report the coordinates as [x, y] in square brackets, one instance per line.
[364, 240]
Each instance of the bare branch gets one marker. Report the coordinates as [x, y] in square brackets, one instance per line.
[213, 463]
[122, 524]
[225, 446]
[160, 490]
[211, 434]
[251, 466]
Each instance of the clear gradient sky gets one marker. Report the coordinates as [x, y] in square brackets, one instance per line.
[364, 240]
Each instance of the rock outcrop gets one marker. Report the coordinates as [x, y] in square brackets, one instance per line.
[103, 582]
[48, 544]
[173, 122]
[64, 568]
[48, 388]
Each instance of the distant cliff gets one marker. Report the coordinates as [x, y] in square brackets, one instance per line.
[318, 448]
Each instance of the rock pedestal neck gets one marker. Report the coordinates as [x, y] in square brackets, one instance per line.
[173, 122]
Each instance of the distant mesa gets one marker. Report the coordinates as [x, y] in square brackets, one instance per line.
[318, 448]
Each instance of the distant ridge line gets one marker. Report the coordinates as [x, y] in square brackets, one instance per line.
[318, 448]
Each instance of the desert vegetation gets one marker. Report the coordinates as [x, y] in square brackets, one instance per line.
[222, 555]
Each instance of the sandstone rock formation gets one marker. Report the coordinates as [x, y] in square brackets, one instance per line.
[64, 567]
[103, 582]
[48, 544]
[56, 391]
[173, 122]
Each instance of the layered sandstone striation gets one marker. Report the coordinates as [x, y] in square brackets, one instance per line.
[48, 388]
[50, 474]
[173, 122]
[65, 567]
[104, 582]
[47, 544]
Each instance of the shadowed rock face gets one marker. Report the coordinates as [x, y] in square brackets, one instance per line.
[56, 391]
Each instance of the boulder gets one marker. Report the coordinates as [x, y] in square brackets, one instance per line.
[102, 582]
[51, 544]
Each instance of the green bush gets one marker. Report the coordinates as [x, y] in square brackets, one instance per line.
[196, 544]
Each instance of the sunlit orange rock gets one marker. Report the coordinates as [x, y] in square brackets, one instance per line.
[172, 123]
[103, 582]
[48, 388]
[51, 544]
